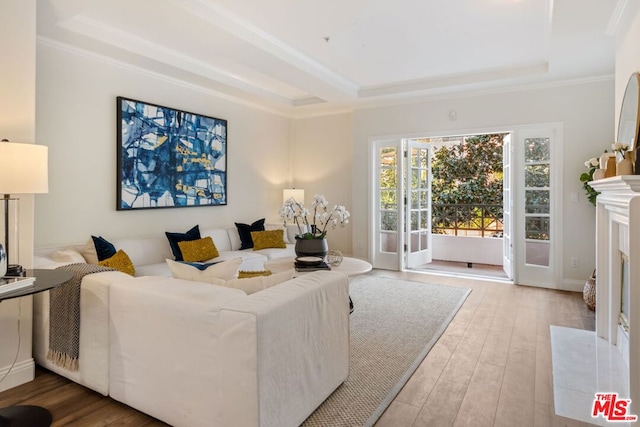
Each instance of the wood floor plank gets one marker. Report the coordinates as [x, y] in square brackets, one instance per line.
[480, 401]
[398, 415]
[517, 394]
[421, 383]
[441, 408]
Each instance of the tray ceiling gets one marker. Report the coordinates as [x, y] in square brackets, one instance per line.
[310, 57]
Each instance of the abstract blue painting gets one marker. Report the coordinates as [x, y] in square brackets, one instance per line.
[169, 158]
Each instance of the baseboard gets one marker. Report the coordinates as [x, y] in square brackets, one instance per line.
[572, 285]
[22, 373]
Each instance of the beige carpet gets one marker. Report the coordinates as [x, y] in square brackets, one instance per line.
[394, 325]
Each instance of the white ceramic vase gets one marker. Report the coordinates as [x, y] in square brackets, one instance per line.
[598, 174]
[625, 166]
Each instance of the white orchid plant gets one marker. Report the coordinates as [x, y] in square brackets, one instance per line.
[294, 212]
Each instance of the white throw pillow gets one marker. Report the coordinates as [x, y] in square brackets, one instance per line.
[225, 270]
[258, 283]
[68, 255]
[89, 252]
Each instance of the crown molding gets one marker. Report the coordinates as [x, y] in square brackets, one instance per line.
[308, 107]
[145, 71]
[146, 48]
[616, 17]
[241, 28]
[455, 80]
[412, 100]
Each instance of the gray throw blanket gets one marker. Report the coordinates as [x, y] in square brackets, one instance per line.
[64, 316]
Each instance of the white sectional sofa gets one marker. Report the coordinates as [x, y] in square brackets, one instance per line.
[197, 354]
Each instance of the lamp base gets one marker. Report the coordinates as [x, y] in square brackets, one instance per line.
[25, 415]
[15, 270]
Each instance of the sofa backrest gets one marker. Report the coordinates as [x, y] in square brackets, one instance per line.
[290, 231]
[155, 249]
[220, 238]
[145, 250]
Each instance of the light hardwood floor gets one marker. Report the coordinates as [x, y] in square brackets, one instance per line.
[492, 367]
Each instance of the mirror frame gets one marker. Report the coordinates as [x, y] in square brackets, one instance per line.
[629, 120]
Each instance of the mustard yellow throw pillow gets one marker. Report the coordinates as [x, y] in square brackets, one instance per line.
[254, 284]
[198, 250]
[120, 261]
[248, 274]
[268, 239]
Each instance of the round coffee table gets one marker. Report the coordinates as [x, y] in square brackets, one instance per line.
[349, 266]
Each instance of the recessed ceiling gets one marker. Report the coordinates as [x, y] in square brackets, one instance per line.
[308, 57]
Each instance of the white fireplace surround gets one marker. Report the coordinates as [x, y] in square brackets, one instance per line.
[618, 233]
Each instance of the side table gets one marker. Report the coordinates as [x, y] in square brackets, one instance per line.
[29, 415]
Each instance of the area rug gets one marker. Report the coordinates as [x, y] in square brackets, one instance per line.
[394, 325]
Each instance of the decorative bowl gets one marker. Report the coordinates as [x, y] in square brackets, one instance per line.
[334, 258]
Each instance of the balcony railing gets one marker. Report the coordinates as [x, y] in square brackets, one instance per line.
[482, 220]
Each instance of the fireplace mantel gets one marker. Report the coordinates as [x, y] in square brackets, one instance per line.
[618, 235]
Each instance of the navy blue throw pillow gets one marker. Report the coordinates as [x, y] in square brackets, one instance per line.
[104, 249]
[244, 230]
[175, 238]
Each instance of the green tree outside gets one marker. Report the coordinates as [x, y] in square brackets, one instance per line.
[467, 173]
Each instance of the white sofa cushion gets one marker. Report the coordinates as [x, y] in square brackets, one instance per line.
[220, 238]
[145, 250]
[68, 255]
[234, 238]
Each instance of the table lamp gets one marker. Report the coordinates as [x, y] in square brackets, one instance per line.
[23, 170]
[296, 193]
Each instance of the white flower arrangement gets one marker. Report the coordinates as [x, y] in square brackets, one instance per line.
[295, 212]
[592, 163]
[620, 148]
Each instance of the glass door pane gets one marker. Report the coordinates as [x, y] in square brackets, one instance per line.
[537, 195]
[418, 204]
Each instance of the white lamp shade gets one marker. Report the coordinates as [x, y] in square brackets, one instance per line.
[23, 168]
[296, 193]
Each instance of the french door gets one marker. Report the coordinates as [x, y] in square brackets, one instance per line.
[401, 223]
[507, 207]
[539, 247]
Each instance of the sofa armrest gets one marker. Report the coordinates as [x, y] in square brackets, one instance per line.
[93, 369]
[284, 350]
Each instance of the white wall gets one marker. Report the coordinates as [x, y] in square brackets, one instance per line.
[586, 111]
[76, 118]
[17, 124]
[479, 250]
[321, 159]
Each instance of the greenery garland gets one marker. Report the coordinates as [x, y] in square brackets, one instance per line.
[585, 177]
